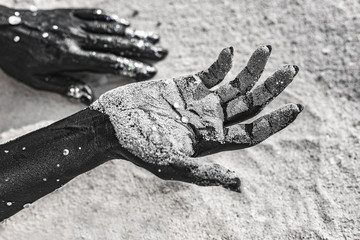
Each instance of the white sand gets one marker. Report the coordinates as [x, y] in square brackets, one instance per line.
[302, 183]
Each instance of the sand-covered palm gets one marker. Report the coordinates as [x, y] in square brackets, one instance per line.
[164, 124]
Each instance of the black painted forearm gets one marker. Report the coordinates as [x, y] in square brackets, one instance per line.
[5, 12]
[42, 161]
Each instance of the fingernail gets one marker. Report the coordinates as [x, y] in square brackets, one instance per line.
[301, 107]
[226, 52]
[234, 184]
[296, 69]
[154, 38]
[161, 53]
[269, 47]
[87, 99]
[151, 70]
[231, 50]
[81, 92]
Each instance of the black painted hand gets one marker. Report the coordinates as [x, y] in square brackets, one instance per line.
[164, 124]
[40, 47]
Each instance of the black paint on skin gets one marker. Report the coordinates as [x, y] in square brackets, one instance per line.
[34, 165]
[161, 126]
[42, 161]
[46, 46]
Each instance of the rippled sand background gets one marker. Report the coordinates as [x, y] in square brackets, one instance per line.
[303, 183]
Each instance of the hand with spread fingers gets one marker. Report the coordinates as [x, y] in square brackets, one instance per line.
[160, 125]
[41, 47]
[163, 125]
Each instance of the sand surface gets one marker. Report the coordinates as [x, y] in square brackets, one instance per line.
[303, 183]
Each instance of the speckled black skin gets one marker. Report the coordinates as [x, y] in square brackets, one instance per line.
[82, 40]
[120, 126]
[29, 160]
[91, 141]
[34, 165]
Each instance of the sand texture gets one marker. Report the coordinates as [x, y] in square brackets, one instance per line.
[302, 183]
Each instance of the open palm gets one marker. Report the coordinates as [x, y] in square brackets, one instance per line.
[162, 125]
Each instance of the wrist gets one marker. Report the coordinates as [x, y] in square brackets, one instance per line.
[91, 132]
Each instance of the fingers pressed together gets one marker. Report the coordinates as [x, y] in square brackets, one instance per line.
[112, 36]
[106, 45]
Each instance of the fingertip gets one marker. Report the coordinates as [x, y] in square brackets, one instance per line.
[225, 57]
[227, 53]
[153, 38]
[218, 69]
[290, 69]
[235, 185]
[283, 117]
[164, 52]
[151, 70]
[296, 69]
[263, 50]
[293, 111]
[269, 47]
[81, 92]
[280, 80]
[146, 74]
[286, 73]
[258, 60]
[290, 108]
[289, 112]
[161, 53]
[87, 100]
[231, 50]
[301, 107]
